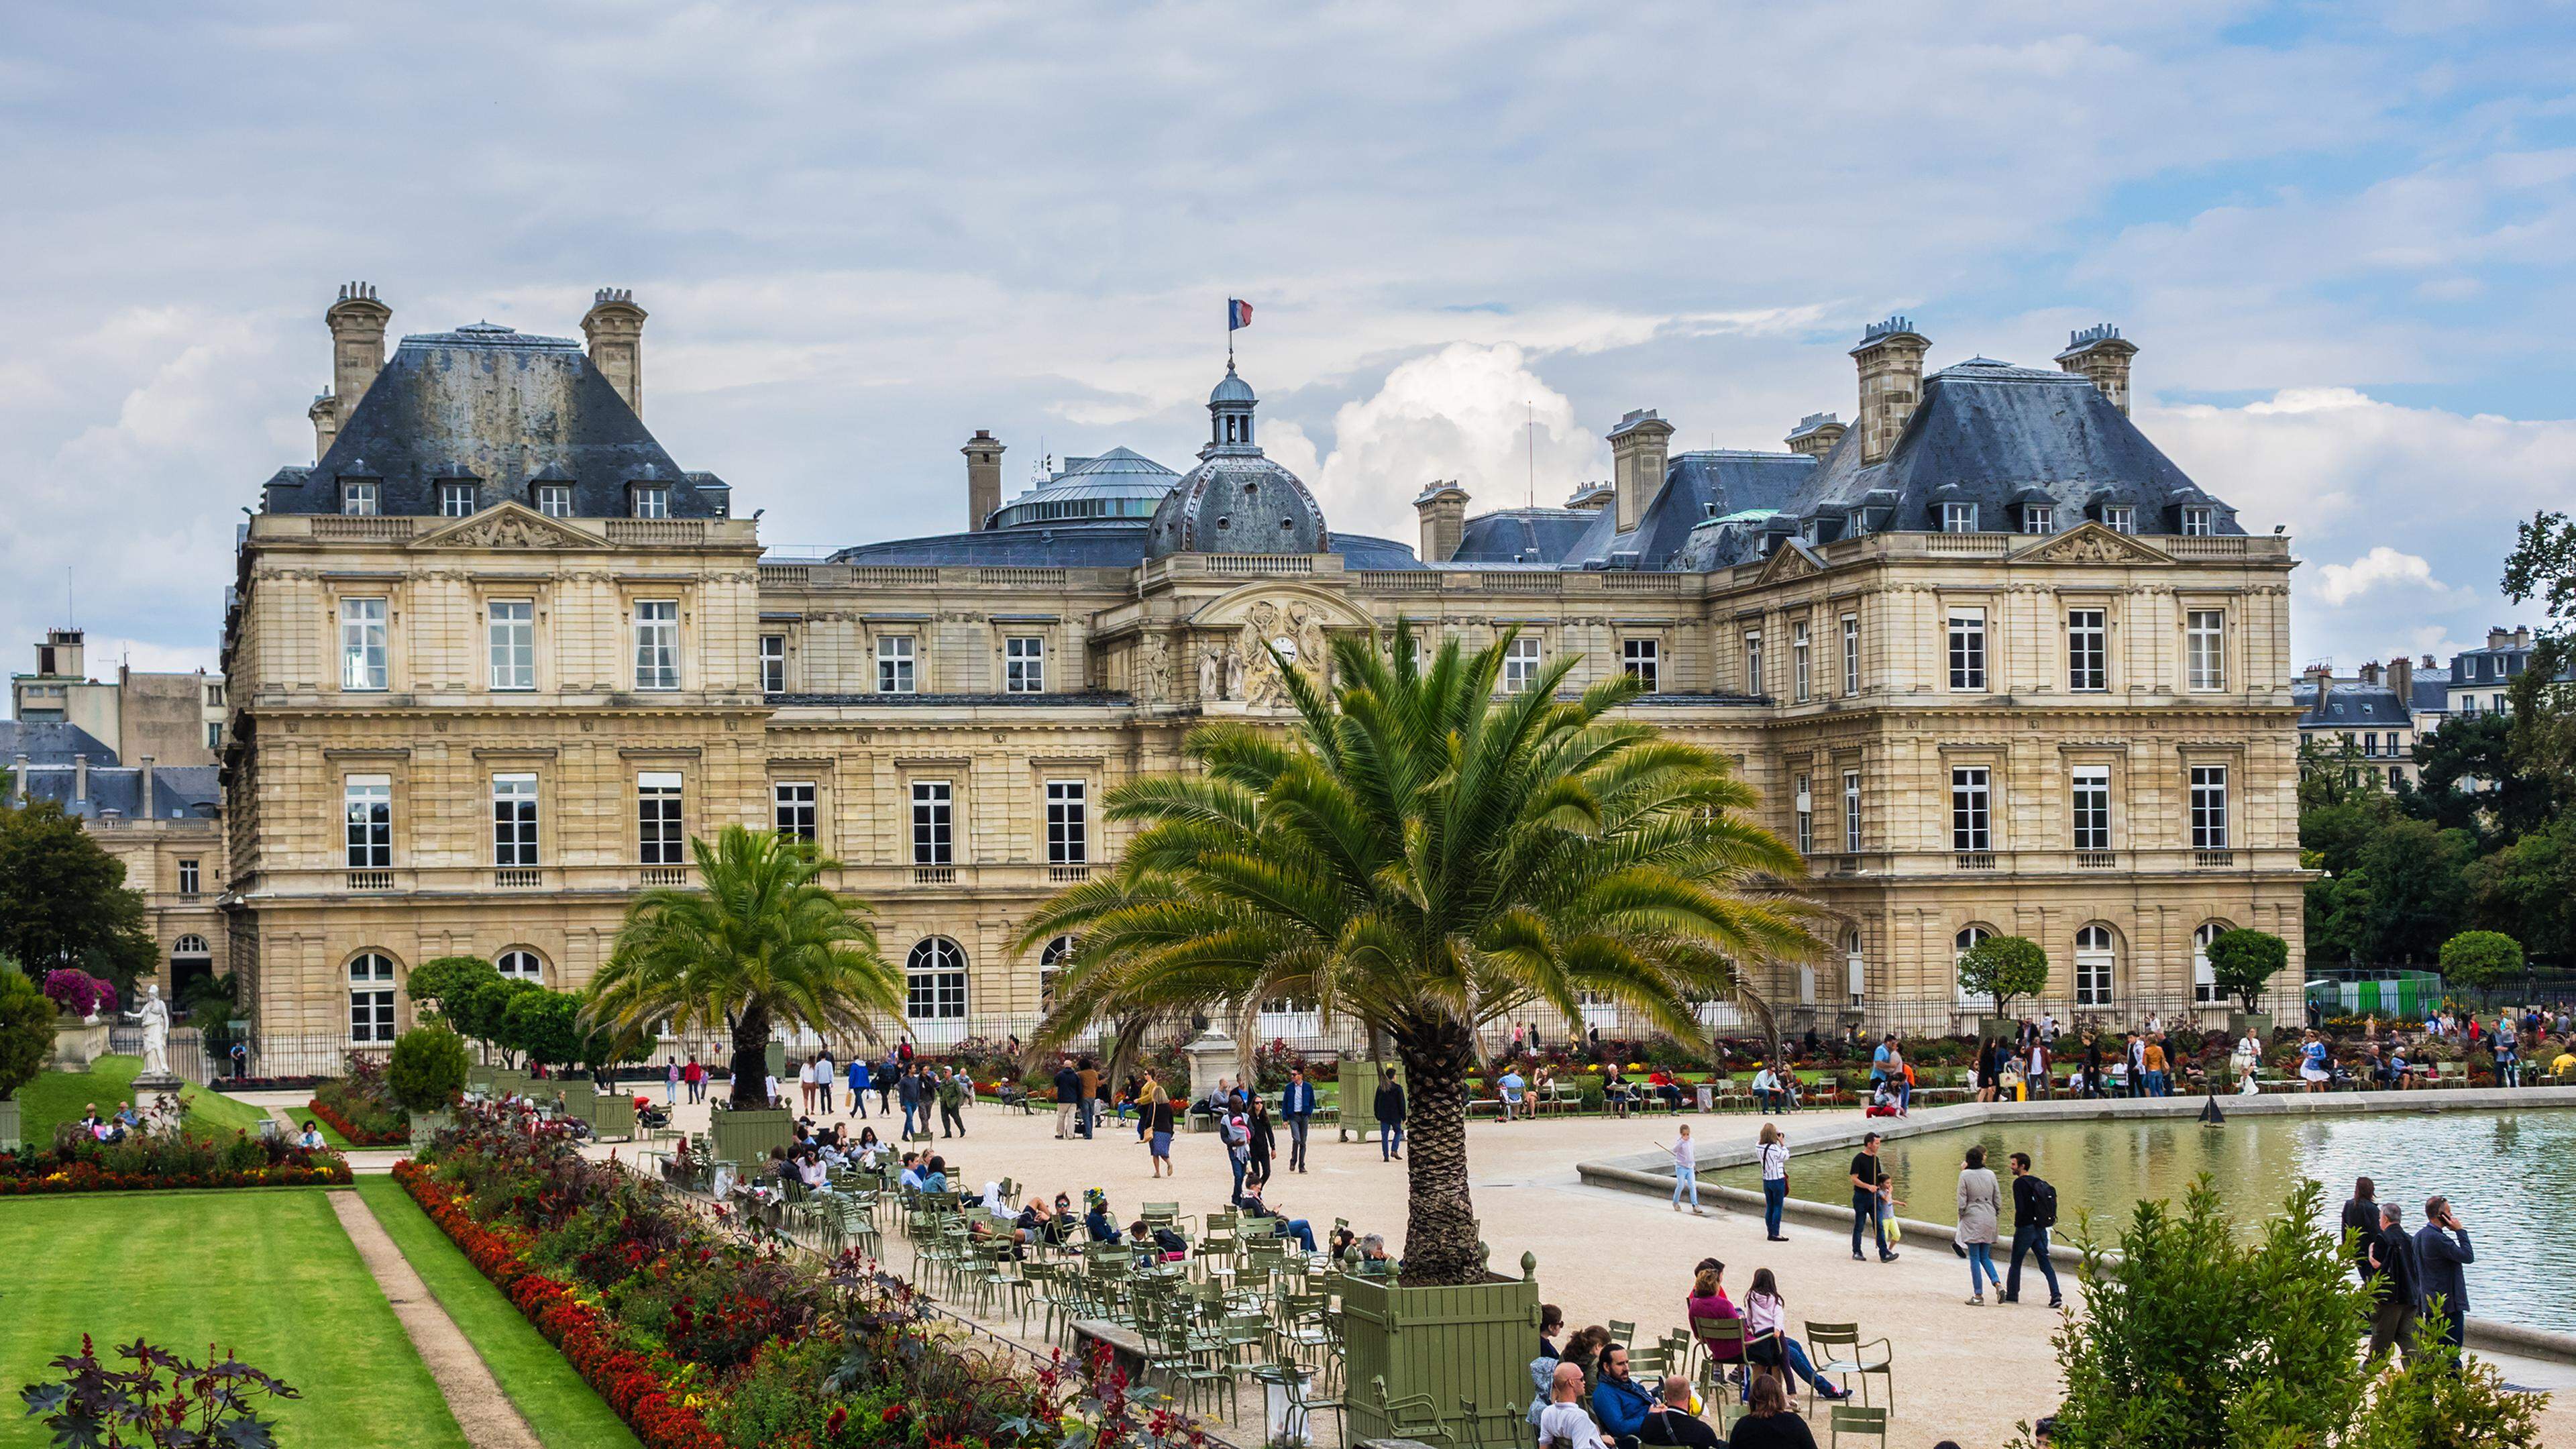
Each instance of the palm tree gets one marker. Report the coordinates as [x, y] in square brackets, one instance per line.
[759, 944]
[1425, 857]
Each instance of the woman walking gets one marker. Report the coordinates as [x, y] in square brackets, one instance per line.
[1262, 1145]
[1685, 1170]
[1774, 1146]
[1980, 1203]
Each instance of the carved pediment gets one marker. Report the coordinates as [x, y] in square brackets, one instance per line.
[2093, 544]
[507, 526]
[1795, 560]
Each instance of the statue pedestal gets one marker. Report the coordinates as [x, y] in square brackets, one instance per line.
[1212, 1056]
[153, 1084]
[77, 1043]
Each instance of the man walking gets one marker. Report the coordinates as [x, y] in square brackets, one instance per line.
[826, 1072]
[952, 1098]
[2441, 1250]
[1297, 1104]
[2034, 1213]
[2361, 1224]
[907, 1090]
[859, 1084]
[1871, 1197]
[2393, 1271]
[1068, 1096]
[1087, 1088]
[1390, 1118]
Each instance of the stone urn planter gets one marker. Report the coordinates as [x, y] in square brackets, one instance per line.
[426, 1125]
[1466, 1344]
[78, 1042]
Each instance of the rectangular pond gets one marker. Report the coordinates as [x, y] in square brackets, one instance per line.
[2511, 1176]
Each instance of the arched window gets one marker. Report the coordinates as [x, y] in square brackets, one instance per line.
[371, 999]
[1968, 936]
[1052, 963]
[2096, 956]
[935, 981]
[2204, 980]
[520, 965]
[189, 946]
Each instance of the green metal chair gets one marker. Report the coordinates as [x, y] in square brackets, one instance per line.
[1836, 1348]
[1858, 1423]
[1415, 1416]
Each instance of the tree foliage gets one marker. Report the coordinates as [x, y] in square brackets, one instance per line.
[2543, 566]
[761, 944]
[1426, 855]
[26, 1030]
[427, 1070]
[2242, 962]
[2480, 958]
[444, 979]
[64, 901]
[2003, 967]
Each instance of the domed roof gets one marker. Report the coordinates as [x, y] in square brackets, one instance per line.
[1238, 502]
[1120, 483]
[1232, 389]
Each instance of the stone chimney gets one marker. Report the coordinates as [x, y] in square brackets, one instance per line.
[80, 779]
[1637, 450]
[2099, 353]
[1591, 497]
[1442, 507]
[2401, 678]
[2320, 674]
[357, 322]
[2522, 636]
[63, 654]
[18, 780]
[614, 328]
[143, 789]
[1891, 383]
[983, 479]
[2499, 638]
[1816, 434]
[2370, 673]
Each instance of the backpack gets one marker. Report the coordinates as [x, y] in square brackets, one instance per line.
[2045, 1199]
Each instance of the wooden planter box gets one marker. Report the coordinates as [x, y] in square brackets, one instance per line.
[745, 1135]
[9, 1124]
[579, 1096]
[425, 1125]
[2261, 1020]
[479, 1080]
[1470, 1343]
[613, 1115]
[511, 1084]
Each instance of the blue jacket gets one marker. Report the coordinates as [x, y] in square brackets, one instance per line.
[858, 1076]
[1297, 1099]
[1621, 1407]
[2437, 1260]
[908, 1089]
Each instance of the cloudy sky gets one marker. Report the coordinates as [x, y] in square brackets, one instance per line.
[1474, 233]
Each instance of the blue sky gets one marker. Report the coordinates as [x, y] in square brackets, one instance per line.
[2339, 234]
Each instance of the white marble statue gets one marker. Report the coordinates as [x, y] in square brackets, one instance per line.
[1233, 673]
[1207, 675]
[155, 1016]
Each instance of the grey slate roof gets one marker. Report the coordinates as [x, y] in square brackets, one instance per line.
[178, 791]
[1697, 486]
[2432, 692]
[2349, 704]
[1093, 699]
[500, 407]
[1522, 535]
[1098, 544]
[50, 742]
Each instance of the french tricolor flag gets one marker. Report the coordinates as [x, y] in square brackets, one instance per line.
[1238, 314]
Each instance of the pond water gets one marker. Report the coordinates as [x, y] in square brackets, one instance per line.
[2511, 1176]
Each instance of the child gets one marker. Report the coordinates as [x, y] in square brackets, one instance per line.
[1685, 1171]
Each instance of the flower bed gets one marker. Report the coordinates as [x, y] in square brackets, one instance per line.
[360, 1106]
[164, 1161]
[356, 1135]
[700, 1341]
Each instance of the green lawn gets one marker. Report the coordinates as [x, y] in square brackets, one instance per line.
[268, 1274]
[556, 1403]
[58, 1097]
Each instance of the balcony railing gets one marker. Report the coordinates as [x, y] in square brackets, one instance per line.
[518, 878]
[1976, 860]
[371, 880]
[2213, 860]
[1068, 874]
[662, 875]
[2097, 860]
[934, 875]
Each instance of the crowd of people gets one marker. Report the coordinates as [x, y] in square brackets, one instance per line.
[2412, 1276]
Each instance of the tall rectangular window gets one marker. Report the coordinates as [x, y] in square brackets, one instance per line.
[1968, 649]
[2088, 650]
[2092, 784]
[2196, 522]
[932, 818]
[2209, 807]
[554, 500]
[1643, 661]
[1851, 811]
[894, 664]
[1520, 665]
[510, 630]
[773, 664]
[792, 802]
[657, 644]
[651, 501]
[2205, 648]
[362, 643]
[1068, 823]
[367, 804]
[514, 820]
[1024, 665]
[2370, 743]
[1971, 822]
[1851, 654]
[455, 500]
[659, 836]
[188, 878]
[1798, 666]
[2120, 518]
[359, 496]
[1753, 661]
[1806, 818]
[1958, 518]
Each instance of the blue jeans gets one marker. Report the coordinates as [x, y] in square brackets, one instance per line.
[1775, 1199]
[1686, 1179]
[1793, 1352]
[2031, 1240]
[2156, 1085]
[1865, 1215]
[1981, 1259]
[1390, 1136]
[1297, 1228]
[909, 1108]
[1235, 1159]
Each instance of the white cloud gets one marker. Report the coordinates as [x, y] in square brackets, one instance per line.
[2382, 567]
[1470, 414]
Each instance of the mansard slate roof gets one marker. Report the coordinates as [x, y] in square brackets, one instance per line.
[501, 408]
[1697, 487]
[184, 792]
[2349, 704]
[1522, 535]
[50, 742]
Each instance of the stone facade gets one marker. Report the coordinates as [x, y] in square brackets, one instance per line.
[945, 716]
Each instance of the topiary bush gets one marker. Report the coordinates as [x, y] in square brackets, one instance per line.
[2243, 962]
[428, 1069]
[2480, 958]
[26, 1030]
[2003, 967]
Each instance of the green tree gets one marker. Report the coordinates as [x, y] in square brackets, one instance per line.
[2543, 566]
[2339, 832]
[541, 1023]
[2195, 1337]
[2419, 892]
[2480, 958]
[2338, 919]
[2243, 962]
[2003, 967]
[64, 902]
[441, 979]
[2529, 887]
[480, 1011]
[761, 945]
[2472, 781]
[1427, 856]
[26, 1030]
[2440, 1402]
[427, 1069]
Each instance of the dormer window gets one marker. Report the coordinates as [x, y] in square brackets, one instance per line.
[2038, 518]
[1855, 523]
[554, 500]
[1958, 518]
[2196, 521]
[455, 500]
[2120, 518]
[358, 497]
[651, 500]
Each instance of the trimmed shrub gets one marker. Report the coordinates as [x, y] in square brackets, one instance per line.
[428, 1069]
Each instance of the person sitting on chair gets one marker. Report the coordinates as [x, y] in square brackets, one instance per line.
[1675, 1420]
[1619, 1401]
[1281, 1225]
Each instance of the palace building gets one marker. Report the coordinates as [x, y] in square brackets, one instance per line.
[1995, 663]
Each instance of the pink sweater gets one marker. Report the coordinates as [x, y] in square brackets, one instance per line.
[1716, 1307]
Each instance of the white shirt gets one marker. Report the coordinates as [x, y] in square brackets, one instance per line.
[1775, 1161]
[805, 1074]
[823, 1072]
[1570, 1423]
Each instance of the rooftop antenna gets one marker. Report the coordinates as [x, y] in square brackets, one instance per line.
[1529, 429]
